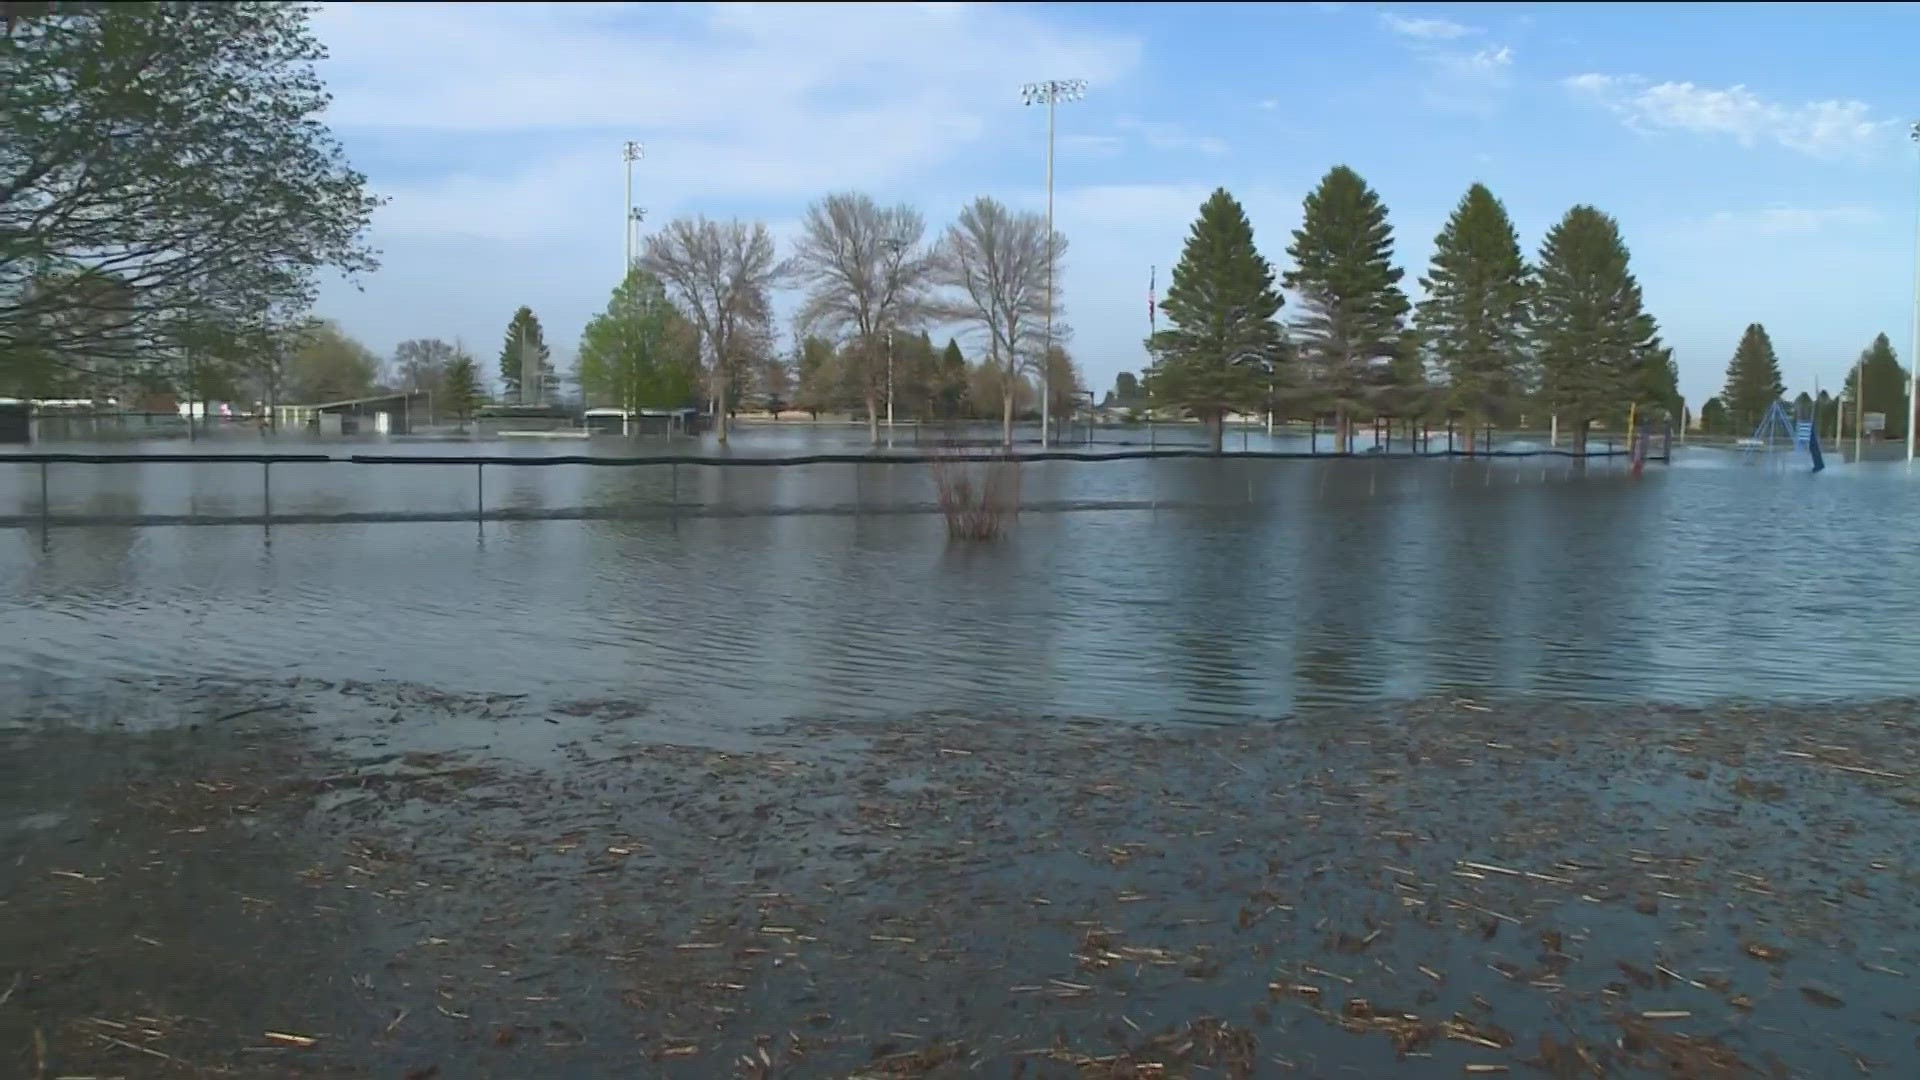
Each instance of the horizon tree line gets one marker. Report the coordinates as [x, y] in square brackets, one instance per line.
[1569, 331]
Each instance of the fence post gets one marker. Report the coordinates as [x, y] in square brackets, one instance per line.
[43, 496]
[673, 494]
[479, 490]
[266, 491]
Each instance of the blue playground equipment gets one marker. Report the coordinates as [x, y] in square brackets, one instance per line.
[1780, 425]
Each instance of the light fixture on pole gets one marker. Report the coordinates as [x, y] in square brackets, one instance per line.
[1050, 93]
[632, 152]
[1913, 354]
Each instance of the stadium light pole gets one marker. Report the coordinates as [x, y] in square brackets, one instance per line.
[895, 246]
[1050, 93]
[1913, 352]
[632, 152]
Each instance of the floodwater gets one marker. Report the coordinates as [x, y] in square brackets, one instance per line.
[1134, 590]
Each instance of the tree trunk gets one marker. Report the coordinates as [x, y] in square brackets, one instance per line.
[873, 421]
[720, 409]
[1342, 432]
[1006, 416]
[1580, 437]
[1217, 430]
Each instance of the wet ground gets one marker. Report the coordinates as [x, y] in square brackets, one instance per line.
[301, 878]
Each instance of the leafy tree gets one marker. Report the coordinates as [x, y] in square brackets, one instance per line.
[1753, 379]
[1591, 332]
[1126, 389]
[722, 275]
[997, 262]
[460, 385]
[178, 149]
[1713, 417]
[525, 341]
[1475, 318]
[420, 364]
[1065, 389]
[1353, 323]
[326, 365]
[1223, 344]
[1886, 385]
[639, 353]
[819, 377]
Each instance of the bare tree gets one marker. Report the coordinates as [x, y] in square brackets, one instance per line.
[866, 276]
[723, 274]
[996, 261]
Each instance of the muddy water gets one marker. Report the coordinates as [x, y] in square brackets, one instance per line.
[1217, 591]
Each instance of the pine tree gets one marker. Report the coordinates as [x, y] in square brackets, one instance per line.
[1476, 317]
[1353, 326]
[1592, 336]
[525, 327]
[1713, 417]
[1886, 386]
[461, 384]
[1753, 379]
[1224, 346]
[953, 380]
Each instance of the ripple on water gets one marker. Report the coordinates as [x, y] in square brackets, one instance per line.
[1690, 584]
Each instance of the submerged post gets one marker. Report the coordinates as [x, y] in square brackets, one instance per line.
[43, 496]
[479, 490]
[266, 490]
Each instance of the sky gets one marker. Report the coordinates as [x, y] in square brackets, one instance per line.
[1757, 156]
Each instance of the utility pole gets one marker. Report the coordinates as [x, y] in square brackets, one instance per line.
[1049, 93]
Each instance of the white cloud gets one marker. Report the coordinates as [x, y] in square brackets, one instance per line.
[1830, 130]
[1428, 29]
[496, 130]
[1470, 82]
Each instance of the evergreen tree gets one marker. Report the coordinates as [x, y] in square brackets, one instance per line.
[1126, 389]
[1886, 386]
[1353, 326]
[460, 383]
[1713, 417]
[1592, 336]
[1475, 318]
[525, 327]
[1753, 379]
[953, 380]
[1224, 345]
[1657, 389]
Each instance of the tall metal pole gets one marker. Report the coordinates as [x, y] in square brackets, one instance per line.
[632, 152]
[1050, 93]
[1913, 353]
[1046, 351]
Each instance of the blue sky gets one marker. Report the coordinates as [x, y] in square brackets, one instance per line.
[1756, 156]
